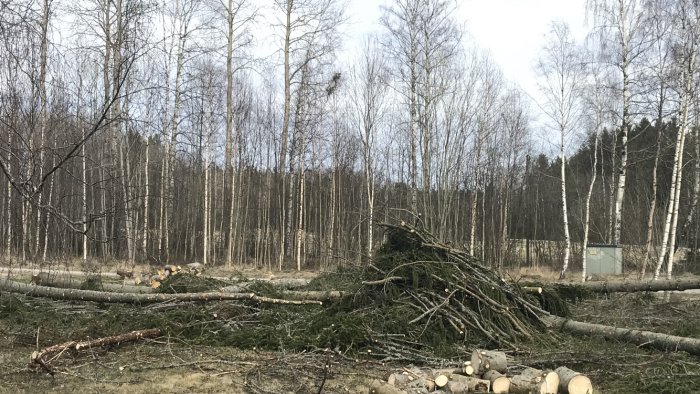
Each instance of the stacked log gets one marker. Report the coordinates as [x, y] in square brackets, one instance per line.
[486, 372]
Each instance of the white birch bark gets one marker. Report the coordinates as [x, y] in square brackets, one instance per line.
[146, 199]
[230, 130]
[8, 207]
[691, 30]
[43, 48]
[84, 181]
[587, 214]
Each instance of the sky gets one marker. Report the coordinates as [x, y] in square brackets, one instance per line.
[512, 31]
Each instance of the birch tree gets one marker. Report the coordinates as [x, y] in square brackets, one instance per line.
[620, 26]
[687, 20]
[597, 106]
[302, 24]
[658, 75]
[370, 91]
[560, 70]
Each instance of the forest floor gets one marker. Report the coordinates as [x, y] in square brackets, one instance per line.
[170, 365]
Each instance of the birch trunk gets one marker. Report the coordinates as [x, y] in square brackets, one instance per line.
[44, 110]
[587, 215]
[228, 167]
[172, 147]
[205, 235]
[8, 207]
[652, 204]
[282, 165]
[85, 224]
[47, 217]
[696, 182]
[671, 222]
[146, 187]
[475, 194]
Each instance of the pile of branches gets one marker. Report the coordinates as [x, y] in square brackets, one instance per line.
[419, 293]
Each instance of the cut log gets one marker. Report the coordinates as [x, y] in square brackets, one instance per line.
[488, 360]
[38, 357]
[467, 369]
[549, 377]
[499, 382]
[520, 384]
[531, 289]
[638, 337]
[379, 387]
[46, 279]
[456, 387]
[131, 298]
[441, 380]
[398, 379]
[292, 294]
[473, 384]
[66, 282]
[633, 286]
[572, 382]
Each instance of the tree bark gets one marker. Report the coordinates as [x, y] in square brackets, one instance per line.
[643, 338]
[572, 382]
[38, 356]
[638, 286]
[139, 299]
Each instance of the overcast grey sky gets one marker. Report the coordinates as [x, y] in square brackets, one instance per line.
[513, 31]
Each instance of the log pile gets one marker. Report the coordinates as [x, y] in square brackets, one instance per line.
[486, 372]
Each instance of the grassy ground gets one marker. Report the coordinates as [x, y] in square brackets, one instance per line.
[198, 355]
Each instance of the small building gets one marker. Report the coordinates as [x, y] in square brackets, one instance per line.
[603, 259]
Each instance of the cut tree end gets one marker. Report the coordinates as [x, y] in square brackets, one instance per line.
[580, 384]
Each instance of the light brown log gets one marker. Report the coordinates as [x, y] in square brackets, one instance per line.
[472, 383]
[131, 298]
[291, 294]
[572, 382]
[379, 387]
[38, 357]
[12, 272]
[487, 360]
[64, 282]
[398, 379]
[441, 380]
[633, 286]
[456, 387]
[520, 384]
[638, 337]
[550, 377]
[531, 289]
[499, 382]
[467, 369]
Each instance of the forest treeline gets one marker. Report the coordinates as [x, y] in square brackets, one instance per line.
[143, 131]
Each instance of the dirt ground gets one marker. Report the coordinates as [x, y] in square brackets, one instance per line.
[168, 365]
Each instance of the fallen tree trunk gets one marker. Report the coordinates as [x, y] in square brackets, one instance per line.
[38, 356]
[133, 298]
[632, 286]
[46, 279]
[63, 275]
[638, 337]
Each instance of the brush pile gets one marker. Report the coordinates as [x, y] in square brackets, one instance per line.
[444, 293]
